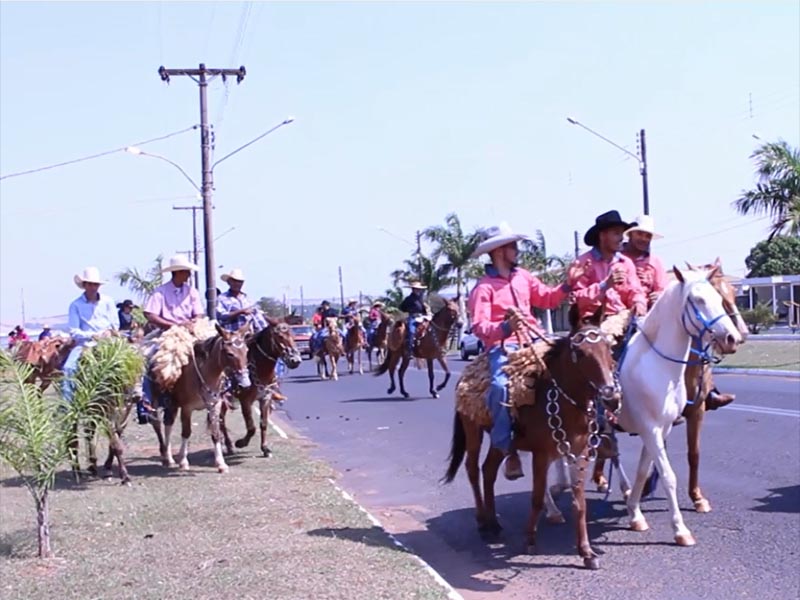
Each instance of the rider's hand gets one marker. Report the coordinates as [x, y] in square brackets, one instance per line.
[639, 310]
[515, 318]
[615, 277]
[575, 272]
[653, 296]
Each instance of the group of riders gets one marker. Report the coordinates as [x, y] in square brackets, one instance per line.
[616, 273]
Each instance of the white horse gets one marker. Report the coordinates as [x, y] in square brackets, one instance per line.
[652, 373]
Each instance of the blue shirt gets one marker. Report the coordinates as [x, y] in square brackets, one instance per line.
[228, 303]
[89, 318]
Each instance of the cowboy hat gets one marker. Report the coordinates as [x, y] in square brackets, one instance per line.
[496, 236]
[235, 274]
[645, 224]
[126, 303]
[416, 285]
[352, 301]
[179, 263]
[378, 303]
[89, 275]
[605, 221]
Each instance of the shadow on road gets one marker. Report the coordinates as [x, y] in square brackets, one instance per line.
[382, 399]
[784, 499]
[371, 536]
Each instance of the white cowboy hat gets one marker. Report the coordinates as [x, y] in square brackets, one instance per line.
[89, 275]
[179, 263]
[378, 303]
[645, 224]
[352, 301]
[236, 274]
[416, 285]
[495, 237]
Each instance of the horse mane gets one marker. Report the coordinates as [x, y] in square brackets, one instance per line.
[555, 350]
[205, 347]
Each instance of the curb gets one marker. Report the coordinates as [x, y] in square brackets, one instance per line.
[744, 371]
[451, 592]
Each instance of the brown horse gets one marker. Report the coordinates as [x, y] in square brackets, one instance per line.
[47, 357]
[431, 344]
[699, 385]
[264, 350]
[354, 342]
[578, 382]
[199, 386]
[379, 340]
[332, 348]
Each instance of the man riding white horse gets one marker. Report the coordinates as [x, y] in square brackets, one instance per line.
[500, 304]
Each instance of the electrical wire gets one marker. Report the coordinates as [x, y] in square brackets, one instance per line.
[99, 154]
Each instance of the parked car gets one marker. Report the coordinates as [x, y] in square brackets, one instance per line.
[302, 337]
[469, 345]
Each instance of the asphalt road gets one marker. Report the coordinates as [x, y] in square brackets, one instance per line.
[391, 453]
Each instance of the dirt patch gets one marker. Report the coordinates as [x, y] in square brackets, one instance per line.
[271, 528]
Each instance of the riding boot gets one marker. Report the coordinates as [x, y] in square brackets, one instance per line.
[513, 467]
[717, 400]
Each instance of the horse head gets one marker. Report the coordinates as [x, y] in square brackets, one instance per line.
[725, 289]
[233, 352]
[704, 315]
[282, 346]
[592, 361]
[448, 314]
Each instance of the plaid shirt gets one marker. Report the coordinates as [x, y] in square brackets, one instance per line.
[227, 303]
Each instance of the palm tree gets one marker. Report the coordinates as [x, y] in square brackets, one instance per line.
[142, 284]
[38, 433]
[456, 247]
[549, 268]
[777, 191]
[421, 268]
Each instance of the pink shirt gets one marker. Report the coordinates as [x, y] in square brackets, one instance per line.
[174, 304]
[492, 296]
[650, 271]
[587, 291]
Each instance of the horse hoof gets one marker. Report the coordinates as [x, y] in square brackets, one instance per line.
[556, 519]
[168, 464]
[93, 471]
[640, 525]
[686, 539]
[184, 466]
[126, 482]
[530, 549]
[241, 443]
[266, 452]
[434, 395]
[702, 506]
[222, 468]
[592, 563]
[406, 395]
[602, 485]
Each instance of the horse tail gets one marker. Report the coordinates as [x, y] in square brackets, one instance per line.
[385, 365]
[457, 448]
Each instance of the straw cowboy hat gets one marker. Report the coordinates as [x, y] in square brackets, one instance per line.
[179, 263]
[378, 303]
[495, 237]
[89, 275]
[645, 224]
[235, 274]
[416, 285]
[605, 221]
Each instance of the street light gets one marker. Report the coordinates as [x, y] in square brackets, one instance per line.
[417, 245]
[208, 186]
[642, 160]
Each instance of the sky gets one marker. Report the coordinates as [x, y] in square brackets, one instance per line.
[404, 112]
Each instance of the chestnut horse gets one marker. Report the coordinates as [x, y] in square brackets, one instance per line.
[578, 383]
[379, 340]
[332, 347]
[46, 357]
[199, 386]
[264, 350]
[431, 344]
[354, 342]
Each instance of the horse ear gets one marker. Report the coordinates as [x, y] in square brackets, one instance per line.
[597, 317]
[718, 262]
[689, 266]
[712, 273]
[678, 273]
[220, 330]
[271, 321]
[573, 318]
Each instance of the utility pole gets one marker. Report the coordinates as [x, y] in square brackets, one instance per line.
[419, 253]
[341, 288]
[643, 171]
[202, 76]
[194, 210]
[302, 304]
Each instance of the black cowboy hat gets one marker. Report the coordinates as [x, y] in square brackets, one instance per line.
[126, 303]
[604, 221]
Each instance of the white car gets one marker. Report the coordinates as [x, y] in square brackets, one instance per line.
[469, 345]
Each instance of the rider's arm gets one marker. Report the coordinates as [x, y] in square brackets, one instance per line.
[74, 324]
[543, 296]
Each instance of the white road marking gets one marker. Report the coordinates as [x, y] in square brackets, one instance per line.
[765, 410]
[278, 430]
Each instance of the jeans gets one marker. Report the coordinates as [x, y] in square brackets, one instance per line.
[500, 434]
[69, 368]
[411, 326]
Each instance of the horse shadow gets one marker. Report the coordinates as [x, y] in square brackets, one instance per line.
[381, 399]
[782, 499]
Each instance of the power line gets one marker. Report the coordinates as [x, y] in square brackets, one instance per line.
[712, 233]
[99, 154]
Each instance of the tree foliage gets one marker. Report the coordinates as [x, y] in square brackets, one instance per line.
[759, 317]
[271, 307]
[777, 190]
[142, 284]
[779, 255]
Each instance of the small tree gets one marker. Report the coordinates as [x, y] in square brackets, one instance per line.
[779, 255]
[142, 284]
[271, 307]
[759, 317]
[38, 434]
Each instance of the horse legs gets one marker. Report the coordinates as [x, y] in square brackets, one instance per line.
[213, 419]
[247, 415]
[223, 429]
[430, 378]
[393, 359]
[563, 482]
[656, 447]
[624, 482]
[401, 374]
[186, 433]
[540, 464]
[598, 477]
[491, 465]
[265, 404]
[360, 367]
[638, 522]
[90, 435]
[590, 560]
[473, 435]
[442, 362]
[117, 448]
[694, 423]
[334, 365]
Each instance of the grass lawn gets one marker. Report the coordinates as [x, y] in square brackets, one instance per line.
[773, 354]
[271, 528]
